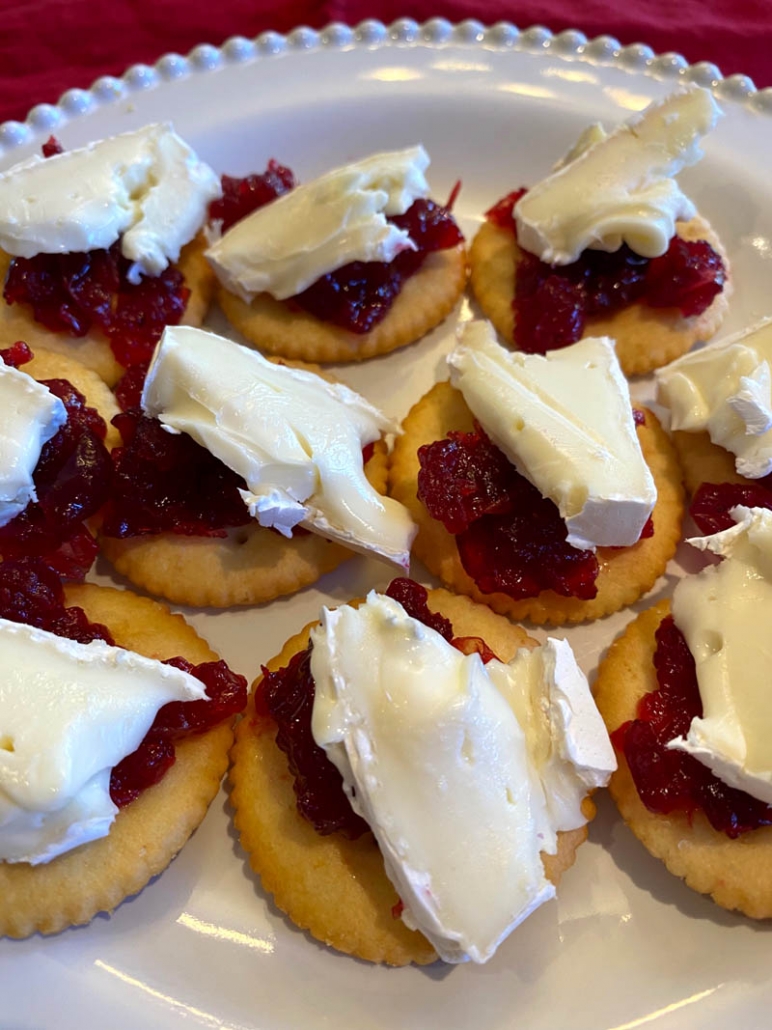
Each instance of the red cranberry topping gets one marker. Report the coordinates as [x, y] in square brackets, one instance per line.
[167, 483]
[16, 355]
[359, 295]
[72, 480]
[31, 592]
[128, 389]
[146, 766]
[240, 197]
[288, 697]
[712, 502]
[509, 538]
[552, 303]
[73, 293]
[672, 781]
[52, 147]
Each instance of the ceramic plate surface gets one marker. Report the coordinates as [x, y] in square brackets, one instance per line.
[625, 945]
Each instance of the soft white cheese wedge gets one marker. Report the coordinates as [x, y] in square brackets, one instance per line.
[724, 614]
[287, 245]
[465, 772]
[619, 188]
[565, 421]
[296, 439]
[30, 415]
[147, 186]
[724, 389]
[69, 713]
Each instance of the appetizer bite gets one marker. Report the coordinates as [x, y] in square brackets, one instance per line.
[608, 245]
[109, 757]
[385, 739]
[685, 695]
[55, 469]
[241, 480]
[353, 264]
[100, 247]
[535, 487]
[720, 408]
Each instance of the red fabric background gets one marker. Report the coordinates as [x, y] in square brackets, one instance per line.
[47, 46]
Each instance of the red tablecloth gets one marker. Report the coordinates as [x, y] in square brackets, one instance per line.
[47, 46]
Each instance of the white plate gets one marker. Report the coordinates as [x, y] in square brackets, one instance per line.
[626, 944]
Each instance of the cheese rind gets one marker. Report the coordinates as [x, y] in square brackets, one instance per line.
[725, 389]
[565, 421]
[30, 415]
[296, 439]
[619, 189]
[724, 613]
[437, 750]
[69, 712]
[285, 246]
[147, 187]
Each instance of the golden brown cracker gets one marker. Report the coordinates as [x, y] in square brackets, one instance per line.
[93, 350]
[149, 832]
[333, 887]
[703, 461]
[425, 300]
[646, 337]
[736, 873]
[50, 365]
[251, 565]
[625, 573]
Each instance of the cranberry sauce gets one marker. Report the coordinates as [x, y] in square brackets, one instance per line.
[672, 781]
[167, 483]
[712, 502]
[72, 481]
[552, 303]
[287, 696]
[359, 295]
[227, 693]
[240, 197]
[31, 592]
[509, 538]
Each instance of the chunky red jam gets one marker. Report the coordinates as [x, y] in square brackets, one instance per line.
[552, 303]
[167, 483]
[509, 538]
[72, 481]
[75, 293]
[31, 592]
[240, 197]
[712, 502]
[287, 695]
[672, 781]
[359, 295]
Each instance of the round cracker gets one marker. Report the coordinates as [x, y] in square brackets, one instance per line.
[50, 365]
[736, 873]
[646, 337]
[333, 887]
[93, 350]
[705, 462]
[148, 833]
[625, 573]
[425, 300]
[251, 565]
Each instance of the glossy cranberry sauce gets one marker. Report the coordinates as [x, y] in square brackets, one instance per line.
[552, 303]
[287, 696]
[510, 539]
[31, 592]
[359, 295]
[672, 781]
[167, 483]
[712, 502]
[72, 481]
